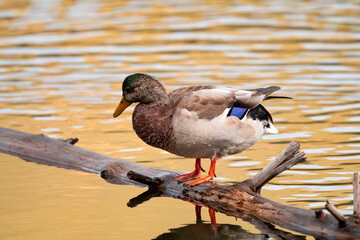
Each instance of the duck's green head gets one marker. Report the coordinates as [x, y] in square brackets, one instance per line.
[142, 88]
[129, 80]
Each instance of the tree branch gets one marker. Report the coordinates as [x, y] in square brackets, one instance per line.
[356, 195]
[241, 200]
[333, 210]
[289, 157]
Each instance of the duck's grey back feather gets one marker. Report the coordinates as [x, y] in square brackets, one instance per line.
[208, 102]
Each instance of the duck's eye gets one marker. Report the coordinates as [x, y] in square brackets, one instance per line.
[129, 90]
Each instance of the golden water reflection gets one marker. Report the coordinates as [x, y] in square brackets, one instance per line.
[61, 67]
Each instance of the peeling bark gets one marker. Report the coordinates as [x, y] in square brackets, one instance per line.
[239, 200]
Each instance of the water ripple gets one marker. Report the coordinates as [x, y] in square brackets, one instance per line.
[303, 134]
[346, 129]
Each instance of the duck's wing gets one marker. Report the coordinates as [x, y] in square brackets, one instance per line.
[209, 102]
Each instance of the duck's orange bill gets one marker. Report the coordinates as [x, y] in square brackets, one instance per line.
[122, 106]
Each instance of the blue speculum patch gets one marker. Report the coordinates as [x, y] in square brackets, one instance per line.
[237, 112]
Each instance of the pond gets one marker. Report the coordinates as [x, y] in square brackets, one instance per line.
[62, 64]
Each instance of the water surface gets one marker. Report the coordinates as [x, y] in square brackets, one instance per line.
[61, 67]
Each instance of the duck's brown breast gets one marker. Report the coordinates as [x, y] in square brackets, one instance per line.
[154, 125]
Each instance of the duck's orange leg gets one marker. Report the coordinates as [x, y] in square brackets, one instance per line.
[194, 174]
[213, 218]
[210, 176]
[211, 214]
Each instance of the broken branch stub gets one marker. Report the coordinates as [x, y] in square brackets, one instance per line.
[289, 157]
[336, 213]
[356, 191]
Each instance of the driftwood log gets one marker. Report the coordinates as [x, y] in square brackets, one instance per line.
[241, 200]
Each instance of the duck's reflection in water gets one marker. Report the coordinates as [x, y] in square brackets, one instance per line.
[208, 231]
[213, 230]
[204, 231]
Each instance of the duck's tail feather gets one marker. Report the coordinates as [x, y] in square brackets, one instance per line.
[266, 91]
[272, 97]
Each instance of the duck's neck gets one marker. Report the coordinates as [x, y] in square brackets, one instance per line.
[154, 125]
[156, 97]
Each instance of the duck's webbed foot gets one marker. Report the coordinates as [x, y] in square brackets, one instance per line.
[199, 180]
[205, 179]
[194, 174]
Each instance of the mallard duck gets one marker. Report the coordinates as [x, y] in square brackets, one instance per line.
[196, 121]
